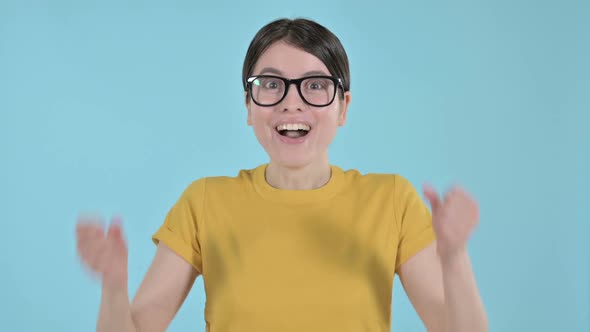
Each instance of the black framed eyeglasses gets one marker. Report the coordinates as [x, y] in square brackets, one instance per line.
[270, 90]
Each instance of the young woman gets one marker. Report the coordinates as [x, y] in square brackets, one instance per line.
[297, 244]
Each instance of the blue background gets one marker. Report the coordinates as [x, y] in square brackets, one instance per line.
[115, 106]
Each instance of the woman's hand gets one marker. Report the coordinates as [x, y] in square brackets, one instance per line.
[104, 252]
[454, 217]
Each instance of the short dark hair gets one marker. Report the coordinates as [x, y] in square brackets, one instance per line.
[306, 35]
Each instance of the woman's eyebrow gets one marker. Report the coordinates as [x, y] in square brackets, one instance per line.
[271, 70]
[315, 72]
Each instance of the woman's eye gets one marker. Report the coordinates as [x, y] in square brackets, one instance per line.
[316, 85]
[270, 84]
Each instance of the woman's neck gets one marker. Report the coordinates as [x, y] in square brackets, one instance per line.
[311, 176]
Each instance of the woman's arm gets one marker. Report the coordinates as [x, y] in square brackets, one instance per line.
[444, 292]
[439, 279]
[464, 308]
[160, 295]
[115, 311]
[162, 291]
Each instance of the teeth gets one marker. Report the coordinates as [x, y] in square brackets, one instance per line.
[293, 126]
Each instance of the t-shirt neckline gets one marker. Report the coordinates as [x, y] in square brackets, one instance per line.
[288, 196]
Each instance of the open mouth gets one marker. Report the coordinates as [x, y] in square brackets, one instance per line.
[294, 130]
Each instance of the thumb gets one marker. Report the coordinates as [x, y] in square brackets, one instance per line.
[432, 197]
[115, 230]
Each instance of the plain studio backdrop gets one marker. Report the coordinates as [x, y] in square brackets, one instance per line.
[116, 106]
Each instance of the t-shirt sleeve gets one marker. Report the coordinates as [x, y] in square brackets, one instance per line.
[414, 221]
[180, 229]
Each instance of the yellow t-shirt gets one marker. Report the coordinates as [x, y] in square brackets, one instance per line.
[298, 260]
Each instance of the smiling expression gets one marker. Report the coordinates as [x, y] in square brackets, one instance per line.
[292, 132]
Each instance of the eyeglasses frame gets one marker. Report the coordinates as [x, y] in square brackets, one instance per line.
[297, 81]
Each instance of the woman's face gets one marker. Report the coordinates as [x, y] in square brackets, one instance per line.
[289, 148]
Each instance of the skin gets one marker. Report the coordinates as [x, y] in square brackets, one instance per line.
[438, 280]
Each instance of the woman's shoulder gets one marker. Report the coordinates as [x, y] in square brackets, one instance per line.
[389, 179]
[392, 185]
[243, 176]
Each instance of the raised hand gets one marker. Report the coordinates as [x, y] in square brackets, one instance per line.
[104, 252]
[454, 217]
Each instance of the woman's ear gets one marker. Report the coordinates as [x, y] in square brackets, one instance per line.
[247, 103]
[344, 108]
